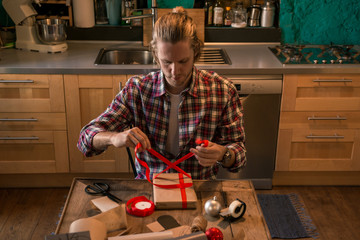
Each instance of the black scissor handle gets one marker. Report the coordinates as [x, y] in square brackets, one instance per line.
[97, 188]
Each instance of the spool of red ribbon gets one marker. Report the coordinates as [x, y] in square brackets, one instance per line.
[140, 206]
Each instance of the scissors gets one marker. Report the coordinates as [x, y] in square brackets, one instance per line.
[101, 189]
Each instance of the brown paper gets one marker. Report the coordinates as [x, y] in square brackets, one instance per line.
[113, 219]
[165, 198]
[104, 204]
[96, 228]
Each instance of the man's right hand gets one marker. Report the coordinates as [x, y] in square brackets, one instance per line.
[128, 138]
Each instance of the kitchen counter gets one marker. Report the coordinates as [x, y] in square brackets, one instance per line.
[247, 58]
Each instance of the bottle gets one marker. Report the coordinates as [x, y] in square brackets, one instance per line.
[218, 14]
[209, 11]
[267, 14]
[228, 17]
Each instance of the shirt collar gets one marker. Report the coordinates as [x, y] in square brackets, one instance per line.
[192, 89]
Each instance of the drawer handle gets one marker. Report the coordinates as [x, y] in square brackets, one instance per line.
[335, 136]
[17, 81]
[332, 80]
[19, 138]
[18, 119]
[327, 118]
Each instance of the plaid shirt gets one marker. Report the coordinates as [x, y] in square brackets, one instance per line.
[210, 109]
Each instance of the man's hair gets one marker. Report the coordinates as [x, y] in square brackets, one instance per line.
[174, 27]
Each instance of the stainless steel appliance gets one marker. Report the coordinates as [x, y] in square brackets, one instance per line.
[261, 97]
[23, 14]
[317, 54]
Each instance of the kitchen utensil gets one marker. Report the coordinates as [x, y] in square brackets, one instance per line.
[267, 14]
[101, 12]
[101, 189]
[254, 15]
[51, 31]
[46, 36]
[114, 11]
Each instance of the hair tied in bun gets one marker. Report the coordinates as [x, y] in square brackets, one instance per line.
[179, 10]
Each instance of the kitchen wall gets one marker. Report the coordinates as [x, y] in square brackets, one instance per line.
[320, 21]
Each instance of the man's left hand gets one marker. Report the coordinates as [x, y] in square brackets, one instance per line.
[210, 155]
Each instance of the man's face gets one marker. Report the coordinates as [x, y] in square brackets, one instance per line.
[176, 62]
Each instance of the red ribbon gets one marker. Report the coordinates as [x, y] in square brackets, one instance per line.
[181, 185]
[133, 210]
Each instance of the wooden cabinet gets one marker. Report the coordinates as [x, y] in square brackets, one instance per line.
[87, 96]
[319, 123]
[33, 133]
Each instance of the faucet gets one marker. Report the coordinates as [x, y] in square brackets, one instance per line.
[153, 14]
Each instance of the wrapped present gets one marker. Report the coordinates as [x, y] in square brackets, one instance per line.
[174, 191]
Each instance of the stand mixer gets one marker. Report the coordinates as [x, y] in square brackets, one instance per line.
[23, 14]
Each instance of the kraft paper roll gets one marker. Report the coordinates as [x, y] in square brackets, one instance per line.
[84, 14]
[96, 228]
[145, 236]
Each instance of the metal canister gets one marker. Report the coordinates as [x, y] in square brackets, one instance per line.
[254, 16]
[267, 14]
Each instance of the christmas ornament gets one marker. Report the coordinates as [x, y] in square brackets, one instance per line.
[214, 234]
[212, 207]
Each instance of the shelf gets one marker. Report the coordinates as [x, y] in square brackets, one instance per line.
[212, 34]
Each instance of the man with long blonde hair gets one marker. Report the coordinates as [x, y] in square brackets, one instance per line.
[170, 109]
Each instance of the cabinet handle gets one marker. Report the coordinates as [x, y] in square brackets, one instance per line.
[19, 138]
[332, 80]
[327, 118]
[17, 81]
[335, 136]
[18, 119]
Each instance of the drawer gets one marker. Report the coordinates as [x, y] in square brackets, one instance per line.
[318, 150]
[321, 92]
[31, 93]
[32, 121]
[33, 152]
[319, 120]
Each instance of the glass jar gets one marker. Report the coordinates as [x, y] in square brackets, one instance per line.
[239, 17]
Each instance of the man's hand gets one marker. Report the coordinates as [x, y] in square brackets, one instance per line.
[128, 138]
[210, 155]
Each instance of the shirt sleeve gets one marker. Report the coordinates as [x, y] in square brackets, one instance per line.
[231, 130]
[115, 118]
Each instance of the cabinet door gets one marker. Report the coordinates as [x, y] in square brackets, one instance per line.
[318, 150]
[33, 136]
[33, 152]
[87, 96]
[31, 93]
[323, 92]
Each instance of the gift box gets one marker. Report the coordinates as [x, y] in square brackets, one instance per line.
[180, 197]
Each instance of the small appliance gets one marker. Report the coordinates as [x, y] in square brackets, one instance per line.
[27, 35]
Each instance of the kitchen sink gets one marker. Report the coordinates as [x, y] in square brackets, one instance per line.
[124, 56]
[209, 56]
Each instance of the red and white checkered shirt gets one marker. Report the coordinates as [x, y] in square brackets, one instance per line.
[210, 110]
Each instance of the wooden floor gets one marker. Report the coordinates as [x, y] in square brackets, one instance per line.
[33, 213]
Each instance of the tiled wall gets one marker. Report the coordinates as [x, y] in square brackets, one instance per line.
[320, 21]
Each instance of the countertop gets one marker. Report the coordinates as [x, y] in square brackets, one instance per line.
[247, 58]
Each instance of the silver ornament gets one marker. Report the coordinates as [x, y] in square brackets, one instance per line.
[212, 207]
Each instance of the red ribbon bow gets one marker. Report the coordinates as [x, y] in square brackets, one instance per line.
[181, 185]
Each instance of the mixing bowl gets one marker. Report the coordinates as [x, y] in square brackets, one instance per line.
[51, 31]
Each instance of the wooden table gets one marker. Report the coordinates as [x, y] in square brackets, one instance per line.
[251, 226]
